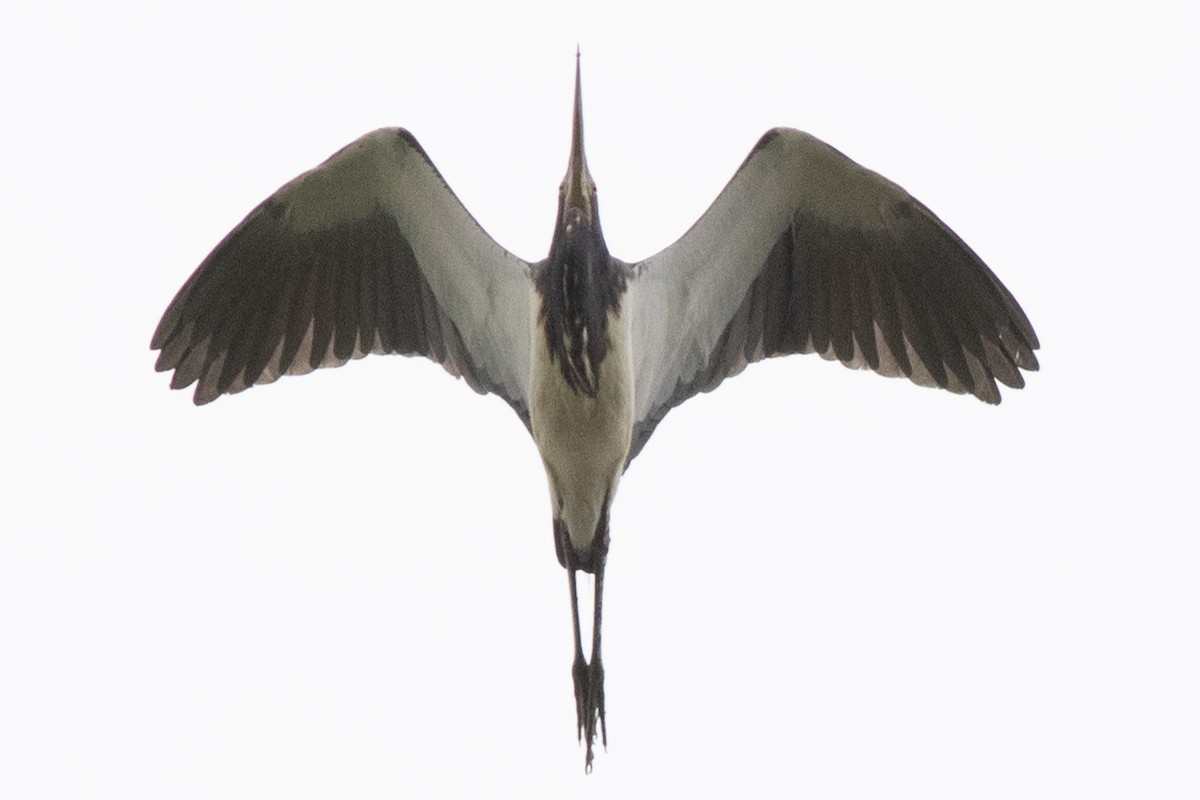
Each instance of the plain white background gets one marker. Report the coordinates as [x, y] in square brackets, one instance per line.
[822, 583]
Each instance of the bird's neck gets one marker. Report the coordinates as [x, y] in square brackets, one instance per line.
[579, 287]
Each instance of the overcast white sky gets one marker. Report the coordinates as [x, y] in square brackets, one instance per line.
[822, 583]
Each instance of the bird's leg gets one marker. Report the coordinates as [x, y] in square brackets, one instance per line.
[595, 667]
[592, 677]
[579, 667]
[588, 677]
[566, 557]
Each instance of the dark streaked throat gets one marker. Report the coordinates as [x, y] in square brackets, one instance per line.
[578, 286]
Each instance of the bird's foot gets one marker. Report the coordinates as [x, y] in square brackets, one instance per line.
[589, 703]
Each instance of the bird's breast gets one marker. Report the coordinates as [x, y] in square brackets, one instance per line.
[583, 438]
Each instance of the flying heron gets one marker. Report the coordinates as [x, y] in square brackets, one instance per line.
[804, 251]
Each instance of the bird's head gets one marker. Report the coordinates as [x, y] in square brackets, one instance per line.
[578, 215]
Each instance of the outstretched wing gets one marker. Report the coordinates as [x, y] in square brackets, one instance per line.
[368, 253]
[805, 251]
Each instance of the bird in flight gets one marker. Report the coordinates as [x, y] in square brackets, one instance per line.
[804, 251]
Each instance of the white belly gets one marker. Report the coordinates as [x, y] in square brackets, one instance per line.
[584, 441]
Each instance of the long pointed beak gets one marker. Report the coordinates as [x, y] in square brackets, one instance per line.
[577, 185]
